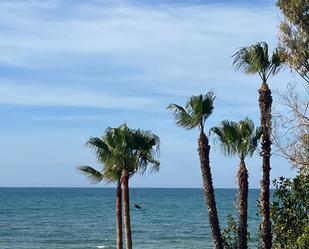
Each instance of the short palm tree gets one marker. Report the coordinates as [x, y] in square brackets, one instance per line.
[105, 150]
[135, 151]
[239, 139]
[195, 114]
[256, 60]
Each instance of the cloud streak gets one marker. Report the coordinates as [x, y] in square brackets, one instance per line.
[51, 96]
[156, 49]
[183, 36]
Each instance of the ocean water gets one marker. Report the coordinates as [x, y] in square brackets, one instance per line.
[82, 218]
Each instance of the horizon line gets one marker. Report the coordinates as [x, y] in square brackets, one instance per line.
[36, 187]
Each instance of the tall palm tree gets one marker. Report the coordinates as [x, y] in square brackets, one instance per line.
[104, 150]
[239, 139]
[256, 60]
[136, 150]
[195, 114]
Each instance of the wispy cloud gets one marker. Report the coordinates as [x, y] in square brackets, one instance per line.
[157, 49]
[181, 37]
[68, 96]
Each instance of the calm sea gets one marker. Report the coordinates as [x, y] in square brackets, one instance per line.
[73, 218]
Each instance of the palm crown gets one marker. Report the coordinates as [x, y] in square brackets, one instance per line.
[196, 111]
[122, 149]
[238, 138]
[144, 149]
[104, 149]
[255, 59]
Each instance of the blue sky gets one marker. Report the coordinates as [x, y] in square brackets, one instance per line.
[70, 69]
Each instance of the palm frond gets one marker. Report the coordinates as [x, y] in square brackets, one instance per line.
[183, 119]
[255, 138]
[100, 147]
[256, 60]
[93, 175]
[146, 159]
[277, 61]
[237, 138]
[122, 148]
[147, 146]
[227, 137]
[243, 61]
[196, 111]
[208, 104]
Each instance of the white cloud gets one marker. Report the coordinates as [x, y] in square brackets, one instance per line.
[169, 40]
[173, 48]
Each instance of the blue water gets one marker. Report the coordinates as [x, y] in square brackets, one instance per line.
[73, 218]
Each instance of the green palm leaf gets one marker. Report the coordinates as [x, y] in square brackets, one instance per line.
[123, 149]
[237, 138]
[183, 119]
[196, 111]
[256, 60]
[93, 175]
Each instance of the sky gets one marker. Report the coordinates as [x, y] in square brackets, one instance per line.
[70, 69]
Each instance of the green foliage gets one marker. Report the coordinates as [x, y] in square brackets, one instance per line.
[256, 60]
[121, 149]
[93, 175]
[238, 138]
[230, 234]
[303, 240]
[294, 34]
[196, 111]
[290, 213]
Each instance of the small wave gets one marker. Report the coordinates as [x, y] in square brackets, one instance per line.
[101, 247]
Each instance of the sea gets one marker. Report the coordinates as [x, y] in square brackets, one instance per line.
[84, 218]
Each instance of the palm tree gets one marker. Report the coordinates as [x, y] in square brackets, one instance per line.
[195, 114]
[239, 139]
[135, 151]
[104, 150]
[255, 60]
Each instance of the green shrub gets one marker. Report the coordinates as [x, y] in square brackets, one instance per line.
[229, 235]
[290, 213]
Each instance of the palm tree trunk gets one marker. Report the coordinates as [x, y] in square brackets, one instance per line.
[203, 149]
[243, 205]
[119, 217]
[265, 102]
[126, 206]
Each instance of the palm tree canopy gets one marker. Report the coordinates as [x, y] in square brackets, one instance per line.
[237, 138]
[256, 60]
[145, 146]
[104, 151]
[196, 111]
[121, 149]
